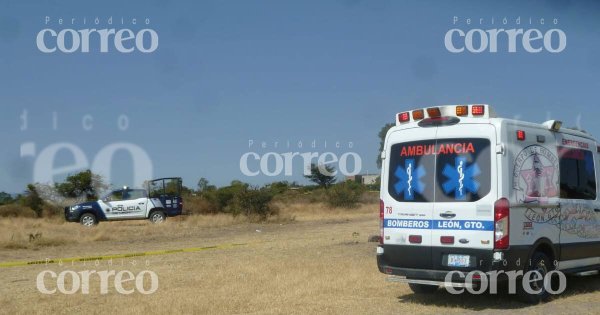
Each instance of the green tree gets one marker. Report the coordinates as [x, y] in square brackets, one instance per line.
[33, 200]
[321, 175]
[81, 184]
[5, 198]
[203, 184]
[381, 135]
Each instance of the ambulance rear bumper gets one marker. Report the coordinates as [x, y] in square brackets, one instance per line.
[430, 263]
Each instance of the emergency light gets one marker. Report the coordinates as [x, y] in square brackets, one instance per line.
[462, 110]
[434, 112]
[447, 111]
[418, 114]
[403, 117]
[478, 110]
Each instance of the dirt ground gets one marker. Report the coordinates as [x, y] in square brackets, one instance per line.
[313, 264]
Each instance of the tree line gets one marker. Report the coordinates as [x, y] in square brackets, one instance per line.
[237, 198]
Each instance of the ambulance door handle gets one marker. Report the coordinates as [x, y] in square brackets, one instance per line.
[447, 215]
[500, 149]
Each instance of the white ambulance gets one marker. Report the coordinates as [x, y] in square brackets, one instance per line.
[462, 189]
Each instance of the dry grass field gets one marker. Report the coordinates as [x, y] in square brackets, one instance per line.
[310, 260]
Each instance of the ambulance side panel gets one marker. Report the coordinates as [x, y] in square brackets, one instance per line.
[531, 182]
[580, 210]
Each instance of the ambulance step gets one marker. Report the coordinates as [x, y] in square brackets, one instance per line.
[401, 279]
[587, 273]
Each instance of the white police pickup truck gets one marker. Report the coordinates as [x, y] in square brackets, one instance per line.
[160, 200]
[463, 190]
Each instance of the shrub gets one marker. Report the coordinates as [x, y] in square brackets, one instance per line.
[292, 195]
[345, 195]
[16, 210]
[225, 195]
[203, 204]
[50, 210]
[33, 200]
[278, 188]
[317, 195]
[252, 202]
[5, 198]
[238, 198]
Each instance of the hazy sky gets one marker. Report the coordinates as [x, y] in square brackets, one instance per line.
[226, 72]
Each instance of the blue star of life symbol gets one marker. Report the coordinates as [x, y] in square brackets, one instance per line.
[409, 179]
[461, 178]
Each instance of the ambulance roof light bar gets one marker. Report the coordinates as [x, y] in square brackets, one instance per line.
[470, 110]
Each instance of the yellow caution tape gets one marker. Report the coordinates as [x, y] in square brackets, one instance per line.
[107, 257]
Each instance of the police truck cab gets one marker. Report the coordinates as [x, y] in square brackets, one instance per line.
[160, 200]
[462, 189]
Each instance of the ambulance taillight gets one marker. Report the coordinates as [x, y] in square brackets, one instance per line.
[381, 209]
[501, 222]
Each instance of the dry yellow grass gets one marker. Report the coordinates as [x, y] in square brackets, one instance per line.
[320, 263]
[32, 233]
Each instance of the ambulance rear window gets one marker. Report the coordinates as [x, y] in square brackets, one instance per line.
[411, 171]
[443, 170]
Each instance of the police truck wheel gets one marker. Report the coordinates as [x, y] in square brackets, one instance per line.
[540, 263]
[88, 219]
[422, 288]
[157, 217]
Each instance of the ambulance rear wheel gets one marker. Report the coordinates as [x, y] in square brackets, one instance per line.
[540, 263]
[422, 288]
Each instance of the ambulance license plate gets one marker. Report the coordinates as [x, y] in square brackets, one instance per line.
[458, 260]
